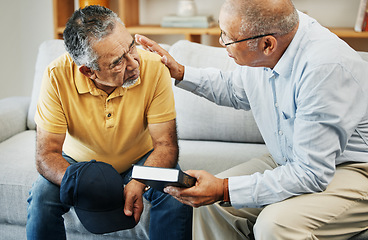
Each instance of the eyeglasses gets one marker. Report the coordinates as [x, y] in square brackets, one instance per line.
[245, 39]
[118, 63]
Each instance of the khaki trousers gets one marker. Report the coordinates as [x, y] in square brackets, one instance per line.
[339, 212]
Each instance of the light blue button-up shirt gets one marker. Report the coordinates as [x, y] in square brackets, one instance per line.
[311, 109]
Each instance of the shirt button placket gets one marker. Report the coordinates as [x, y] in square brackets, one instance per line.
[109, 118]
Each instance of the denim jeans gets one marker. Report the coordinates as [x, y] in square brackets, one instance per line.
[169, 219]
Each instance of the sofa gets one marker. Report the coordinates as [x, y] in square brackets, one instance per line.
[211, 137]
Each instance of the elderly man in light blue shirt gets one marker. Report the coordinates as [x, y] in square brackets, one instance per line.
[308, 91]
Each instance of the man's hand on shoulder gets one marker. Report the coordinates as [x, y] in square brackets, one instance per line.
[176, 69]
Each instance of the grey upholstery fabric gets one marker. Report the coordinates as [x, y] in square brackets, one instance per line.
[17, 173]
[364, 55]
[47, 52]
[215, 156]
[13, 116]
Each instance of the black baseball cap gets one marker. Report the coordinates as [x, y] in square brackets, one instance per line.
[96, 191]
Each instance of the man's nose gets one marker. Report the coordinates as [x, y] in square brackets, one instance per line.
[132, 63]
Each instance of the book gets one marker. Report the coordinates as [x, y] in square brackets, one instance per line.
[365, 21]
[159, 178]
[360, 16]
[188, 22]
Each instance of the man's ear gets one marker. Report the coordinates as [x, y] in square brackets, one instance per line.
[88, 72]
[269, 45]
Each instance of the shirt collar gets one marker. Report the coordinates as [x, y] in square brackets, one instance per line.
[84, 84]
[285, 65]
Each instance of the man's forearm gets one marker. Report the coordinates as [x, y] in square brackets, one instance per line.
[165, 145]
[49, 160]
[52, 166]
[163, 156]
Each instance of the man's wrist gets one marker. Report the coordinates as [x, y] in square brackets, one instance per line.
[141, 185]
[180, 73]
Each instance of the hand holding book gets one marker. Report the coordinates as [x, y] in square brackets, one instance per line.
[207, 190]
[159, 178]
[194, 187]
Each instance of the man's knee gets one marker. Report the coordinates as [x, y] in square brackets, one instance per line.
[266, 223]
[279, 221]
[273, 222]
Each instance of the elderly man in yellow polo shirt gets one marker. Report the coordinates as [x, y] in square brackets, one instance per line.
[109, 101]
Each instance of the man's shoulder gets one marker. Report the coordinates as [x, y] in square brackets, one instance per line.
[62, 62]
[151, 65]
[63, 71]
[147, 56]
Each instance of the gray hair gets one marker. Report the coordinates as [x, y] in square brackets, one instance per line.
[259, 18]
[86, 27]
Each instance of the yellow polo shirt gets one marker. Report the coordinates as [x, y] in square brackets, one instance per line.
[113, 128]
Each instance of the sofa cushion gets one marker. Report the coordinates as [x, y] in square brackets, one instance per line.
[216, 157]
[200, 119]
[17, 173]
[47, 52]
[13, 116]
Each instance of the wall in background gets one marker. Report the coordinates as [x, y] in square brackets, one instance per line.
[27, 23]
[24, 25]
[331, 13]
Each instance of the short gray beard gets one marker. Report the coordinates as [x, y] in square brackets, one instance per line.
[129, 83]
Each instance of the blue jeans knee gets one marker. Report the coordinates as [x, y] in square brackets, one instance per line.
[45, 211]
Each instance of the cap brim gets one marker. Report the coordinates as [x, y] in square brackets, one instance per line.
[105, 222]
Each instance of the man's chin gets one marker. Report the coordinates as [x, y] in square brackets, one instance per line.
[129, 83]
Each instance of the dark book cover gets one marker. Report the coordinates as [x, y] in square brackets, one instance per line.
[159, 178]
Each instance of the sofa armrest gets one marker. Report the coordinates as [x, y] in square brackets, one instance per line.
[13, 116]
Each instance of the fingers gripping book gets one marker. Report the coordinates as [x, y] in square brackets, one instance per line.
[159, 178]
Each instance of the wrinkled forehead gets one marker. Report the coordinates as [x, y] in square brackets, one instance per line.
[229, 21]
[115, 44]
